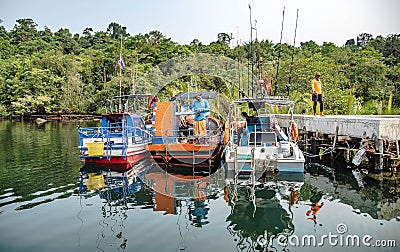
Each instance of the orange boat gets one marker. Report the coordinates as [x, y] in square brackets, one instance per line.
[173, 139]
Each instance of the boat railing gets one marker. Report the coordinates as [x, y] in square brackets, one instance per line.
[110, 134]
[169, 136]
[114, 131]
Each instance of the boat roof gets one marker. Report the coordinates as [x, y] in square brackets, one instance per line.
[128, 102]
[121, 114]
[192, 95]
[131, 96]
[269, 100]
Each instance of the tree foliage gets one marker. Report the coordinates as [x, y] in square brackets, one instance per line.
[44, 71]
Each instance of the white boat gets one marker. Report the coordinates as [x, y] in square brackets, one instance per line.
[257, 143]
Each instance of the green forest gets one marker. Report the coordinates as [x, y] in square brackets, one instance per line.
[57, 72]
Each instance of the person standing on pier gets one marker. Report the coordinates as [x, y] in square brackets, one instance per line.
[316, 86]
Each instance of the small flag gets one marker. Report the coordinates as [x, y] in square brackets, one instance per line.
[120, 63]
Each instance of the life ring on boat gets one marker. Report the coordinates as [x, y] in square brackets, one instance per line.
[226, 133]
[294, 132]
[152, 100]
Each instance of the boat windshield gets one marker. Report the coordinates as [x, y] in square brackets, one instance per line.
[262, 138]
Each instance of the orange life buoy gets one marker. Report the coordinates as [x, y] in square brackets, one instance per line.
[294, 132]
[226, 133]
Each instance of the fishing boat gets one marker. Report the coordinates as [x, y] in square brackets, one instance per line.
[174, 141]
[256, 141]
[120, 140]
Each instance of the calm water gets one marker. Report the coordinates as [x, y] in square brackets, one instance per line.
[45, 205]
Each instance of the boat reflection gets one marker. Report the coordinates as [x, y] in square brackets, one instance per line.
[149, 186]
[260, 212]
[176, 193]
[119, 191]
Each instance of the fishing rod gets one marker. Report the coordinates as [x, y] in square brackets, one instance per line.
[238, 64]
[291, 63]
[279, 52]
[120, 78]
[250, 56]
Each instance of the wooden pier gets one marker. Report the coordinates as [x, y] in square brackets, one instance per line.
[345, 135]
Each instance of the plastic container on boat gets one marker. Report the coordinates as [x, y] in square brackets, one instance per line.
[285, 148]
[95, 148]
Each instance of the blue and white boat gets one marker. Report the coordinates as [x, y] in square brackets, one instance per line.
[256, 141]
[121, 138]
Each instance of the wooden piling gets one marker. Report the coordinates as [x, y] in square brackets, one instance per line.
[378, 144]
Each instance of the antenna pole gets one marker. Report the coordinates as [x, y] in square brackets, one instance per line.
[279, 52]
[291, 63]
[120, 80]
[238, 61]
[250, 55]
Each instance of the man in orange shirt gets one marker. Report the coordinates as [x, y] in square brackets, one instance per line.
[316, 86]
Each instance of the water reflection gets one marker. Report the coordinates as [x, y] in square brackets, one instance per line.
[119, 192]
[174, 193]
[257, 215]
[150, 210]
[37, 164]
[186, 196]
[377, 199]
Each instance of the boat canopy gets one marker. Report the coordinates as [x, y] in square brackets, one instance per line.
[272, 101]
[130, 102]
[192, 95]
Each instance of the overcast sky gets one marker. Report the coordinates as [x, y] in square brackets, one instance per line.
[184, 20]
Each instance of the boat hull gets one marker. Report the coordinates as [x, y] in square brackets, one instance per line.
[118, 163]
[185, 154]
[137, 163]
[244, 166]
[199, 156]
[266, 159]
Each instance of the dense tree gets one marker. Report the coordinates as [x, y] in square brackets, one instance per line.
[310, 46]
[224, 38]
[391, 49]
[116, 31]
[363, 39]
[196, 45]
[24, 31]
[49, 72]
[63, 38]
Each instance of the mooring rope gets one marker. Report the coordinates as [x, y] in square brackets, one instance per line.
[326, 151]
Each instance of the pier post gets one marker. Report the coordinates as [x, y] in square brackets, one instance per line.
[305, 140]
[347, 156]
[378, 142]
[313, 145]
[334, 141]
[235, 164]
